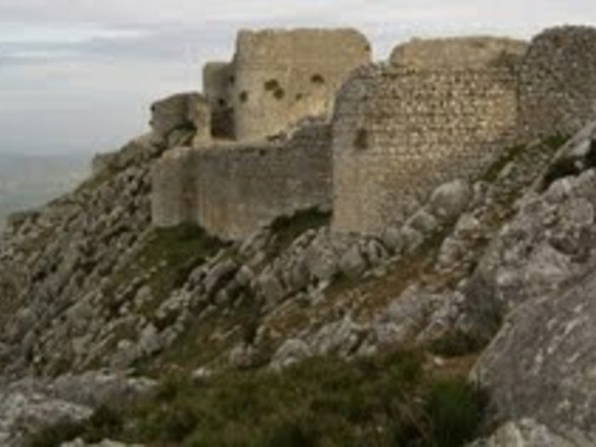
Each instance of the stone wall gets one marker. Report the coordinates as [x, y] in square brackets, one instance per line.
[282, 76]
[173, 200]
[400, 132]
[558, 81]
[441, 109]
[186, 111]
[232, 190]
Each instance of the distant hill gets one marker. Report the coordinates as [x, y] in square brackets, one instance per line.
[27, 181]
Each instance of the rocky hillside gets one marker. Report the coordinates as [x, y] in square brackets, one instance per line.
[473, 318]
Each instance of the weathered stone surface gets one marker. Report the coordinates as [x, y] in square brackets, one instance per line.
[450, 200]
[352, 263]
[281, 76]
[292, 351]
[105, 443]
[180, 111]
[270, 179]
[542, 364]
[25, 409]
[458, 52]
[527, 433]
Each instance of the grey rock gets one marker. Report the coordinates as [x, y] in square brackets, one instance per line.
[405, 316]
[270, 288]
[449, 200]
[290, 352]
[375, 252]
[243, 356]
[217, 276]
[527, 433]
[150, 341]
[244, 276]
[392, 238]
[412, 239]
[542, 363]
[352, 263]
[424, 222]
[341, 338]
[95, 388]
[321, 257]
[25, 408]
[105, 443]
[202, 374]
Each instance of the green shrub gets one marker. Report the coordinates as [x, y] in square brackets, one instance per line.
[54, 435]
[455, 409]
[386, 400]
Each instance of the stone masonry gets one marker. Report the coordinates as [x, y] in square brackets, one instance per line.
[441, 109]
[232, 190]
[403, 129]
[256, 152]
[278, 77]
[447, 109]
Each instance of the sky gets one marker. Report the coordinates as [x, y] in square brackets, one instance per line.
[79, 75]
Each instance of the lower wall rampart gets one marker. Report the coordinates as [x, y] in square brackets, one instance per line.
[233, 190]
[173, 200]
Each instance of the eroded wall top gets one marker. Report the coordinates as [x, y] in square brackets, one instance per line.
[458, 52]
[281, 76]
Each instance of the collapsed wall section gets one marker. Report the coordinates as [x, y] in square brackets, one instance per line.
[233, 190]
[282, 76]
[400, 132]
[558, 82]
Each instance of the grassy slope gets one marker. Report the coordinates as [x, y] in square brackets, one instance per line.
[389, 400]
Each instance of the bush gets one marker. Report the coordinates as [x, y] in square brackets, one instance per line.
[385, 400]
[455, 409]
[54, 435]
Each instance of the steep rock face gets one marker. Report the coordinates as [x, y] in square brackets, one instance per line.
[542, 364]
[540, 271]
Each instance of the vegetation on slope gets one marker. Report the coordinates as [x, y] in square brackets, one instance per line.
[387, 400]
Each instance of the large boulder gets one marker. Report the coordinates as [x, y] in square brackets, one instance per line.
[542, 364]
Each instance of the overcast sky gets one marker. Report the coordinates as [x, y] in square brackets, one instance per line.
[78, 75]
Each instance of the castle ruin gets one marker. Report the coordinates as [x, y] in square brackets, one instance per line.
[262, 142]
[303, 119]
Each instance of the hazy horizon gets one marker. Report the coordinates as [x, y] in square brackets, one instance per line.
[78, 78]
